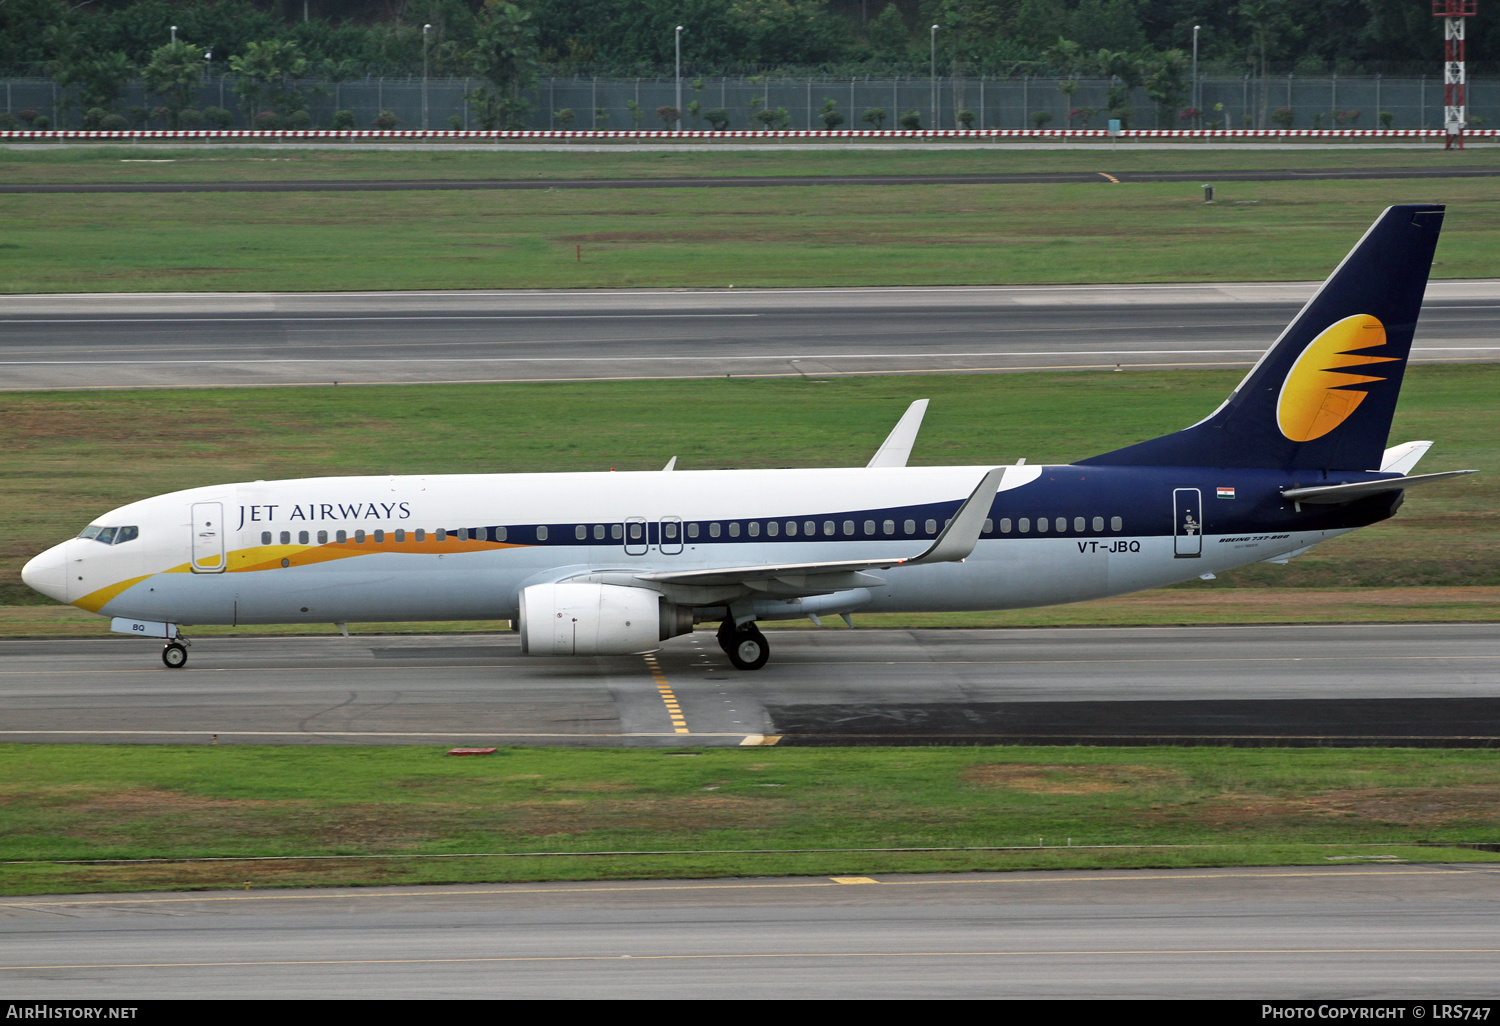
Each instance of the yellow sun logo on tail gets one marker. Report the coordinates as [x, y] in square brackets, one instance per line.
[1316, 397]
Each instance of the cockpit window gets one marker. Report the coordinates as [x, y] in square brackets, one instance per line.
[110, 535]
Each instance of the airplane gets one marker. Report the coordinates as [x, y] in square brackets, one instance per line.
[590, 564]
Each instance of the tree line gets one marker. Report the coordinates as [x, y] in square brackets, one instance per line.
[93, 50]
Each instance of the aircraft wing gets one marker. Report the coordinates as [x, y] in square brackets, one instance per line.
[953, 544]
[1331, 494]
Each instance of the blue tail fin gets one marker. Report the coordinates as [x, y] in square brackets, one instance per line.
[1323, 395]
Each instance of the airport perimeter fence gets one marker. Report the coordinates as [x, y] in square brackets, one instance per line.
[1095, 135]
[614, 104]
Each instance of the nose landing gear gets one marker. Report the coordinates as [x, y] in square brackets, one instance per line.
[175, 655]
[745, 646]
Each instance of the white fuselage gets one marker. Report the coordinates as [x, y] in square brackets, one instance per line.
[464, 546]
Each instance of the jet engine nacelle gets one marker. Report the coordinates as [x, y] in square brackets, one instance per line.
[597, 619]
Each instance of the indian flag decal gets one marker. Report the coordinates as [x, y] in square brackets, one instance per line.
[1226, 493]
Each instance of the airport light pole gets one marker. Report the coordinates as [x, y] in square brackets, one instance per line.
[1197, 118]
[425, 30]
[174, 34]
[1455, 79]
[678, 40]
[934, 78]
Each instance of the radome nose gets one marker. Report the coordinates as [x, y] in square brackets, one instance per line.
[48, 573]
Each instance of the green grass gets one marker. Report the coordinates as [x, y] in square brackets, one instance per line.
[68, 457]
[1237, 806]
[812, 236]
[129, 163]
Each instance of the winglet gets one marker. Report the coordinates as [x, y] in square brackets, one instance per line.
[958, 539]
[671, 464]
[896, 449]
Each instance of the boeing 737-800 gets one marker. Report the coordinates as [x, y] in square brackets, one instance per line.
[616, 563]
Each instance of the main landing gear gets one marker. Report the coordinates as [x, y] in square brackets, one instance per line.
[175, 655]
[745, 646]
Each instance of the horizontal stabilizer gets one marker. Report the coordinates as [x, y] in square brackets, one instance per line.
[1330, 494]
[1400, 459]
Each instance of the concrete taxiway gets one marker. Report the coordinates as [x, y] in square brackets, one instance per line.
[1335, 932]
[1317, 685]
[1113, 177]
[153, 341]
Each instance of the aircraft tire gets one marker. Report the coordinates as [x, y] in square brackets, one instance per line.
[175, 656]
[725, 635]
[749, 649]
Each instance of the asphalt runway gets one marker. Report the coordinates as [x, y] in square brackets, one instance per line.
[1436, 685]
[1350, 932]
[156, 340]
[758, 181]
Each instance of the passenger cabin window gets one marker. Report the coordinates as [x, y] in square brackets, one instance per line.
[301, 537]
[401, 534]
[635, 531]
[541, 533]
[342, 537]
[1024, 525]
[1116, 524]
[616, 532]
[734, 529]
[713, 530]
[359, 537]
[1062, 523]
[772, 527]
[1098, 523]
[889, 527]
[322, 537]
[753, 529]
[441, 534]
[599, 532]
[421, 534]
[501, 533]
[910, 527]
[932, 527]
[380, 537]
[1005, 525]
[791, 528]
[265, 537]
[848, 528]
[809, 528]
[989, 526]
[669, 530]
[828, 528]
[581, 533]
[286, 537]
[869, 527]
[1078, 523]
[1041, 525]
